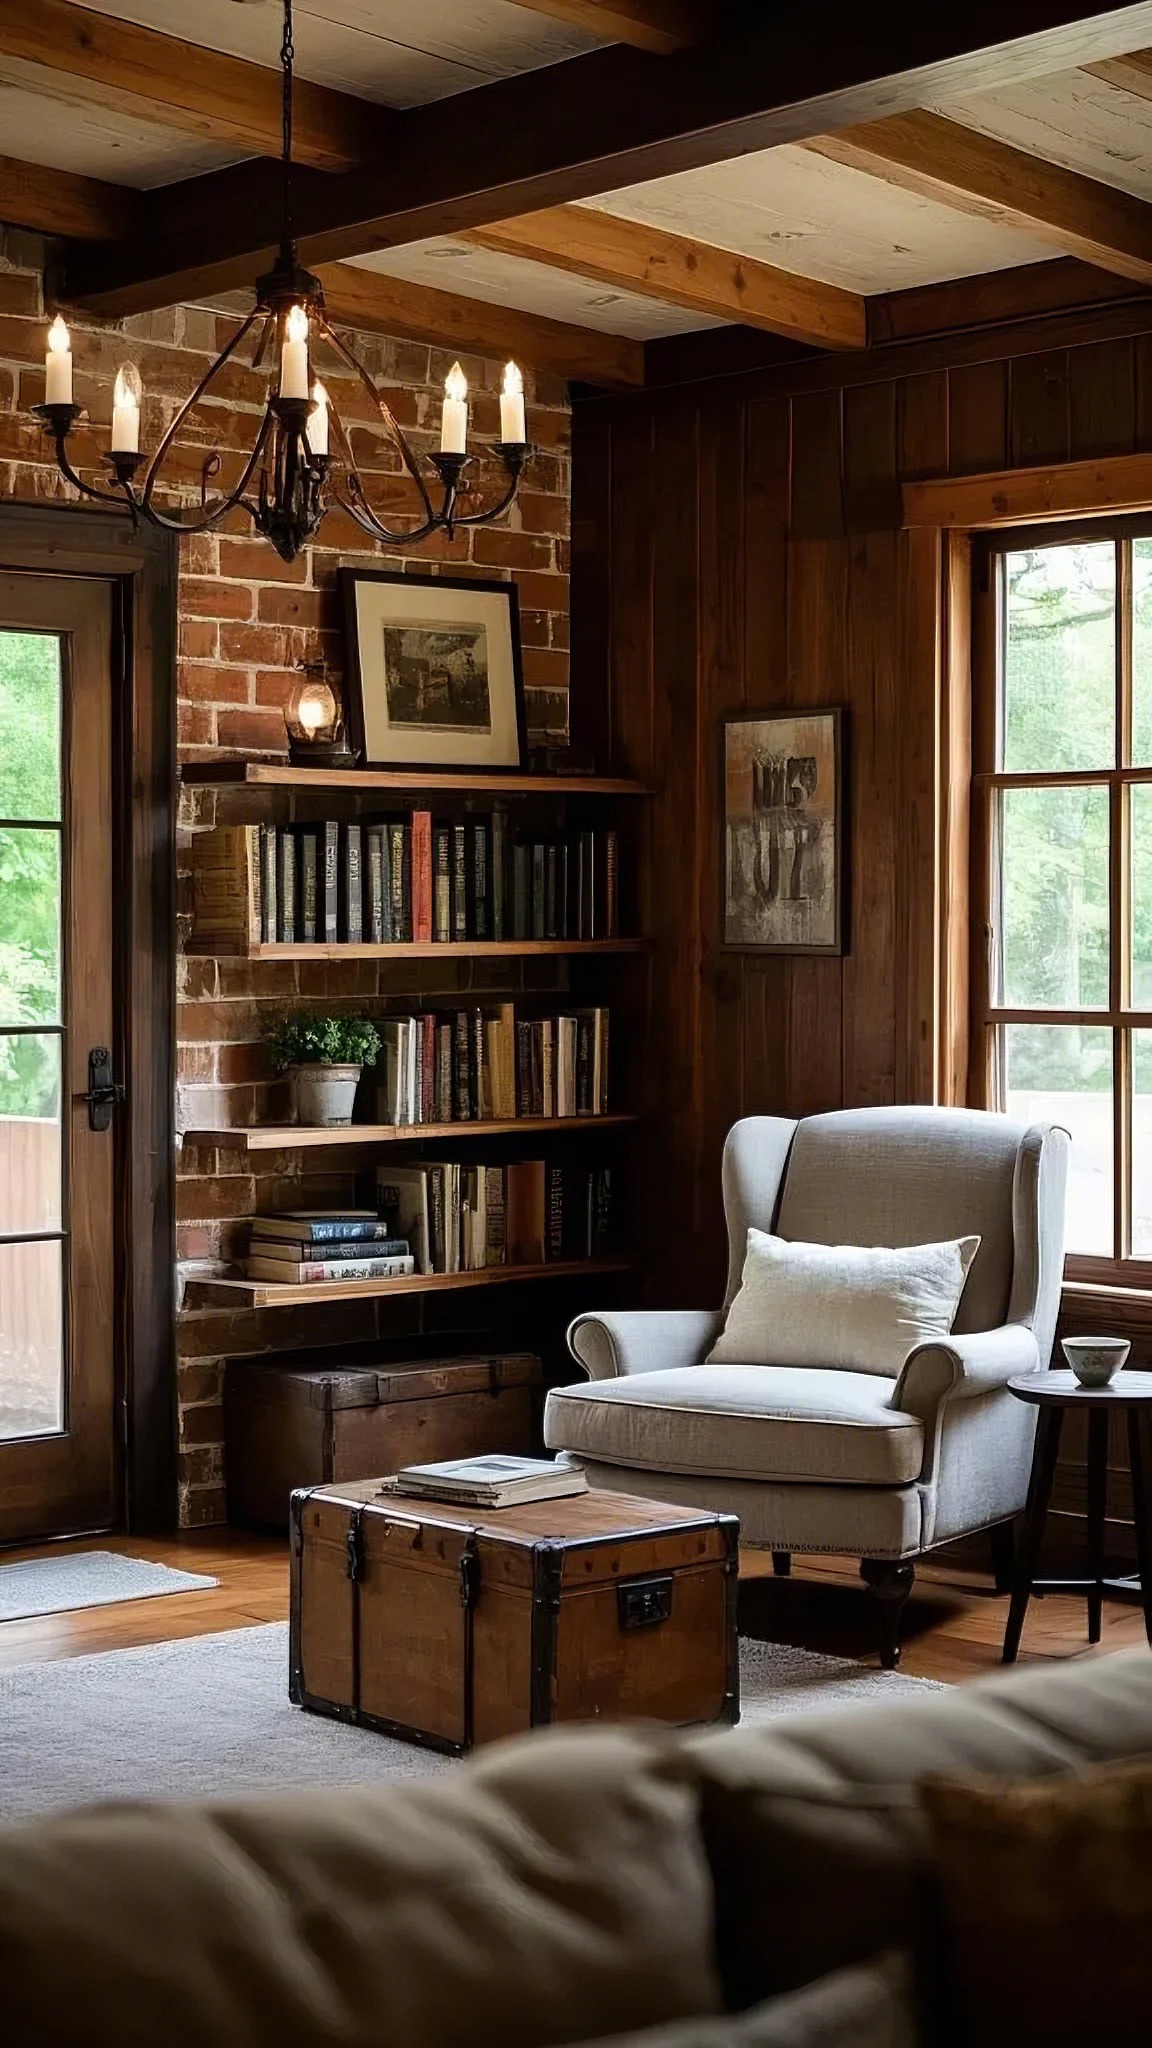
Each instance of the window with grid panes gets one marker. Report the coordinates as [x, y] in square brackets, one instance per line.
[1062, 846]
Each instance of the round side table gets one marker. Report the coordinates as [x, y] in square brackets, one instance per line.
[1054, 1394]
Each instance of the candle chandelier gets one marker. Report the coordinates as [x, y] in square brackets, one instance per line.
[290, 478]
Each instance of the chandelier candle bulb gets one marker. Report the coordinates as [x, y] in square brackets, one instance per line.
[512, 424]
[294, 355]
[58, 365]
[126, 411]
[318, 421]
[454, 419]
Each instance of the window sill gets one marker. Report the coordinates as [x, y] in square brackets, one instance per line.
[1110, 1309]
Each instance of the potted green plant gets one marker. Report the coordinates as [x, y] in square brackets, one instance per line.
[323, 1058]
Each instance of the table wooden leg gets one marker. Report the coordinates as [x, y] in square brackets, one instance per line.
[1035, 1515]
[1097, 1500]
[1140, 1461]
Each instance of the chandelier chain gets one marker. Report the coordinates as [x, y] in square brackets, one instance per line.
[287, 61]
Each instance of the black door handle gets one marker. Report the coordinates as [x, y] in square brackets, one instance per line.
[103, 1092]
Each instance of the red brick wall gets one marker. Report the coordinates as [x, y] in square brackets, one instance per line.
[246, 620]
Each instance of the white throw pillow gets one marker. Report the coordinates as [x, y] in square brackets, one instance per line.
[861, 1309]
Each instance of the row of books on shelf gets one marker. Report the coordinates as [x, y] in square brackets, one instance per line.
[414, 879]
[445, 1217]
[491, 1064]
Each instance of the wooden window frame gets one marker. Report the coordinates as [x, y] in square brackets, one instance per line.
[1117, 1016]
[140, 565]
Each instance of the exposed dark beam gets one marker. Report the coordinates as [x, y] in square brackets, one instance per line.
[659, 25]
[597, 123]
[60, 203]
[999, 299]
[93, 58]
[587, 242]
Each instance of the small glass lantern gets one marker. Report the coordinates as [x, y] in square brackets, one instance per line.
[315, 720]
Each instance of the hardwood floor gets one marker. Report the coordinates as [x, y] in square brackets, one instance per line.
[953, 1625]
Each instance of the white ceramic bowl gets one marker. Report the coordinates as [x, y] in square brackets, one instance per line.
[1095, 1360]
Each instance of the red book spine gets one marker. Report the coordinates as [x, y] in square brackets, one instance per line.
[421, 875]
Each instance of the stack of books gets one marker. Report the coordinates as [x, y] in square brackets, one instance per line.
[409, 879]
[463, 1218]
[304, 1245]
[470, 1065]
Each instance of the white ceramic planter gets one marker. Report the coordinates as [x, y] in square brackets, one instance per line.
[323, 1094]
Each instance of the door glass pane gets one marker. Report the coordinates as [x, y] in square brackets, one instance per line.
[29, 926]
[30, 1158]
[1062, 1074]
[1054, 899]
[29, 725]
[31, 1339]
[1142, 652]
[1059, 708]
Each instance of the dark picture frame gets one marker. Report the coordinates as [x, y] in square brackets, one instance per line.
[433, 676]
[784, 856]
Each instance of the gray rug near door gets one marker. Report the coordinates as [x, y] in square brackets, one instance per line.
[210, 1715]
[86, 1578]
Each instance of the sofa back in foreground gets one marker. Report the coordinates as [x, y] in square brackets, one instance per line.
[570, 1886]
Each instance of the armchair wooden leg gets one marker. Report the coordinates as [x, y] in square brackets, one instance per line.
[1003, 1541]
[889, 1583]
[782, 1563]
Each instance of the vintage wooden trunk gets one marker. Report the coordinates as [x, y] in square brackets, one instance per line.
[454, 1626]
[286, 1425]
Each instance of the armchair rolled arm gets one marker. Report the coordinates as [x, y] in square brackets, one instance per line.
[642, 1340]
[955, 1368]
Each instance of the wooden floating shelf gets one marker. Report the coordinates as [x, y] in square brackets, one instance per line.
[279, 775]
[423, 949]
[307, 1137]
[277, 1294]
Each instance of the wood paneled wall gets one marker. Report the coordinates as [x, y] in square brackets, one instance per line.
[736, 547]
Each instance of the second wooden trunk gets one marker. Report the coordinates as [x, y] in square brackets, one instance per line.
[287, 1425]
[453, 1626]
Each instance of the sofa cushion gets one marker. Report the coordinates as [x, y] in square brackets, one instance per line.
[743, 1422]
[1047, 1892]
[859, 1308]
[545, 1893]
[819, 1847]
[871, 2006]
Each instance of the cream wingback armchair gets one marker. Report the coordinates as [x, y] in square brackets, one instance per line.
[834, 1460]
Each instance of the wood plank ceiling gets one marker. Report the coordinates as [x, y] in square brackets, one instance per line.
[674, 166]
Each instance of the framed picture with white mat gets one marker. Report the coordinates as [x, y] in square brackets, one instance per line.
[433, 671]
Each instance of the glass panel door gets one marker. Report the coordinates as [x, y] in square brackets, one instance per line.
[58, 1452]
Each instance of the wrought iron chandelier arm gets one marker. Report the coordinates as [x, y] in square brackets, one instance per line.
[120, 497]
[384, 409]
[175, 424]
[353, 501]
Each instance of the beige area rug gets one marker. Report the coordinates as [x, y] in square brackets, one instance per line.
[210, 1715]
[86, 1578]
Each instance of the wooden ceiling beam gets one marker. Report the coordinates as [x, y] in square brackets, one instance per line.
[1132, 73]
[681, 272]
[60, 203]
[942, 160]
[658, 25]
[595, 124]
[369, 300]
[95, 58]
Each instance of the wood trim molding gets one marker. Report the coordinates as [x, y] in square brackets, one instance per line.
[657, 25]
[90, 58]
[935, 158]
[1132, 73]
[142, 570]
[1116, 484]
[681, 272]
